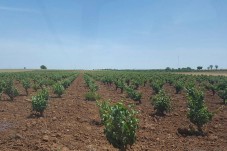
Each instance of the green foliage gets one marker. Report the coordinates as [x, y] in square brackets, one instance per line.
[92, 96]
[120, 124]
[107, 80]
[136, 84]
[157, 86]
[58, 89]
[119, 84]
[161, 102]
[136, 96]
[179, 86]
[10, 90]
[44, 93]
[1, 90]
[66, 83]
[43, 67]
[39, 103]
[26, 85]
[198, 112]
[199, 68]
[223, 94]
[104, 108]
[90, 83]
[212, 87]
[35, 86]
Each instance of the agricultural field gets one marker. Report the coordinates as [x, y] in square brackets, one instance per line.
[69, 110]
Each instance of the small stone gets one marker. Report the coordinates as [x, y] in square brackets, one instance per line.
[176, 114]
[216, 126]
[45, 131]
[29, 100]
[58, 135]
[65, 149]
[24, 129]
[45, 138]
[155, 120]
[28, 125]
[18, 136]
[157, 139]
[54, 118]
[182, 110]
[33, 123]
[213, 137]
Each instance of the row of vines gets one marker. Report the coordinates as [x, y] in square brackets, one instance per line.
[40, 83]
[121, 122]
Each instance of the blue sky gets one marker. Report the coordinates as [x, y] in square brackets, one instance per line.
[93, 34]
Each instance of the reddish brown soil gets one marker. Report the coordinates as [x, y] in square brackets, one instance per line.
[71, 123]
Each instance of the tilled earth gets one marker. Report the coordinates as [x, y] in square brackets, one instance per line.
[72, 123]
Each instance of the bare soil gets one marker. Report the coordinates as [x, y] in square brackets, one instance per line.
[72, 123]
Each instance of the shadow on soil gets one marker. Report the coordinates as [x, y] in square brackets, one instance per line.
[34, 116]
[96, 122]
[189, 132]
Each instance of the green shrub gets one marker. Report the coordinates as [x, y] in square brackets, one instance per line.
[1, 91]
[157, 86]
[198, 112]
[119, 84]
[179, 86]
[44, 93]
[161, 102]
[223, 94]
[212, 87]
[35, 86]
[10, 90]
[58, 89]
[66, 83]
[104, 109]
[93, 87]
[39, 103]
[136, 84]
[92, 96]
[26, 85]
[120, 124]
[136, 96]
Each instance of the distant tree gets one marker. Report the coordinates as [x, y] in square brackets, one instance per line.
[186, 69]
[24, 67]
[199, 68]
[208, 68]
[211, 66]
[43, 67]
[216, 66]
[168, 69]
[189, 68]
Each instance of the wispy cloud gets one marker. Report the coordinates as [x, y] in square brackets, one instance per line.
[14, 9]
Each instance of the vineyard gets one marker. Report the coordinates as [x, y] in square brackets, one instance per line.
[111, 110]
